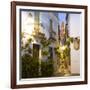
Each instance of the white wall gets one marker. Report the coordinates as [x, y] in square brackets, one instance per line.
[74, 27]
[5, 45]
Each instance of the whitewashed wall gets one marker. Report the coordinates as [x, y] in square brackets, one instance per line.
[74, 31]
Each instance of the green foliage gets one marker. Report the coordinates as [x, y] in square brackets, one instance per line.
[47, 68]
[29, 40]
[45, 42]
[67, 51]
[27, 43]
[45, 53]
[22, 35]
[57, 51]
[30, 67]
[70, 39]
[62, 54]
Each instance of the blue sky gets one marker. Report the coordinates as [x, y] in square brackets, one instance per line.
[62, 17]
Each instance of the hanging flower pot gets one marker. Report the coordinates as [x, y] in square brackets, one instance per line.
[76, 43]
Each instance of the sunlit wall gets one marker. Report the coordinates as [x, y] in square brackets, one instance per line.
[74, 31]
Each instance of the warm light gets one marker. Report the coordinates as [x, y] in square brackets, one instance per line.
[28, 26]
[63, 47]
